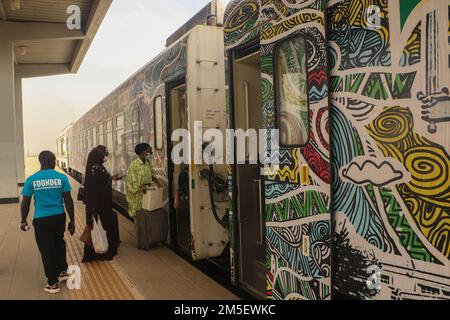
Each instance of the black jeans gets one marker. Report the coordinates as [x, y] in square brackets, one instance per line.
[49, 233]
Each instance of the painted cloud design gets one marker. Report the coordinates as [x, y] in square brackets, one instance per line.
[379, 172]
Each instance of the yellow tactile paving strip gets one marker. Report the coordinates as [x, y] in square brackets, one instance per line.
[100, 280]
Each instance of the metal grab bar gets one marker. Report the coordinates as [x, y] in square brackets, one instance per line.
[208, 61]
[215, 89]
[247, 102]
[247, 112]
[261, 212]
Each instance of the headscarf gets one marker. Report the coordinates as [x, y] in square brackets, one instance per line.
[96, 156]
[94, 167]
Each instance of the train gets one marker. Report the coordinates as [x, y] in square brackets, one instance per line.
[62, 152]
[358, 206]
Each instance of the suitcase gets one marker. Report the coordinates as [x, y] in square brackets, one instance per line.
[152, 228]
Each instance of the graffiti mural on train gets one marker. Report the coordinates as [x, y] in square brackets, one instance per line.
[297, 216]
[389, 110]
[390, 125]
[120, 121]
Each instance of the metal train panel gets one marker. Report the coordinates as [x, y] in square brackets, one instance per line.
[206, 103]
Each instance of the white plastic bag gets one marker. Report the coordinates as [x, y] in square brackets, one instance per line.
[99, 238]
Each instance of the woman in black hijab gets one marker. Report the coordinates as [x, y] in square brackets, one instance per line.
[98, 201]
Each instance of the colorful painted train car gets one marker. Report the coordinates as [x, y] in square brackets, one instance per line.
[182, 85]
[360, 204]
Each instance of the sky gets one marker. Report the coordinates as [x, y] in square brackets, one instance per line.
[133, 32]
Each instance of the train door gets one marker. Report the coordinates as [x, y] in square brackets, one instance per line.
[250, 199]
[178, 173]
[298, 192]
[282, 212]
[198, 227]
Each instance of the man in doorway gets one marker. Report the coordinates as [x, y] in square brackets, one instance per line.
[140, 175]
[51, 191]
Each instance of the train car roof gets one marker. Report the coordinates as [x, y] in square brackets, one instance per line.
[217, 6]
[64, 131]
[125, 82]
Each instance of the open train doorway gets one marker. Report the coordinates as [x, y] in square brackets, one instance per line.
[196, 112]
[180, 224]
[251, 250]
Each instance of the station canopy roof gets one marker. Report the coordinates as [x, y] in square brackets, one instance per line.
[40, 32]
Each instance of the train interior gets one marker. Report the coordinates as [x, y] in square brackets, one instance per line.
[179, 176]
[251, 224]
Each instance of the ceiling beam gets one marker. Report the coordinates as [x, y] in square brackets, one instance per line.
[2, 11]
[98, 11]
[25, 31]
[40, 70]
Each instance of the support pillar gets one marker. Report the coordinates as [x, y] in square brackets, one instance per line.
[19, 131]
[9, 192]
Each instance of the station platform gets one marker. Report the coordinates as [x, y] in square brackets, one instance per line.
[158, 274]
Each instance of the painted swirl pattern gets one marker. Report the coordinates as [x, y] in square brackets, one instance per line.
[427, 195]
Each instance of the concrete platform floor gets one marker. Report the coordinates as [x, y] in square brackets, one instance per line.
[158, 274]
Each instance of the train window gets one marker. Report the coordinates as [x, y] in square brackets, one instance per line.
[429, 290]
[82, 143]
[120, 121]
[158, 114]
[100, 135]
[119, 137]
[94, 136]
[91, 139]
[86, 141]
[135, 115]
[120, 124]
[292, 92]
[109, 140]
[385, 279]
[63, 151]
[109, 135]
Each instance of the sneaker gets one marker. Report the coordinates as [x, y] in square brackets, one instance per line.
[52, 289]
[64, 276]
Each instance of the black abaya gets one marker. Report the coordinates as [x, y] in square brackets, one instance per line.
[98, 200]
